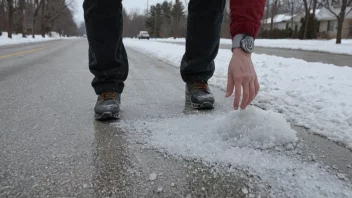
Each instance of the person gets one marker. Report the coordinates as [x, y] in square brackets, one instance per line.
[109, 64]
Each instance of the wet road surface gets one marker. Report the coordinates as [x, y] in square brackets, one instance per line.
[50, 145]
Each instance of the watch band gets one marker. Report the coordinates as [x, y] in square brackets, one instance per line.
[247, 46]
[236, 42]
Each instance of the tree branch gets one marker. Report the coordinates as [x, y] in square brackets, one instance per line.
[59, 13]
[37, 8]
[349, 3]
[327, 6]
[348, 11]
[52, 19]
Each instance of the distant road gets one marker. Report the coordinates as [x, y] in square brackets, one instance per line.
[309, 56]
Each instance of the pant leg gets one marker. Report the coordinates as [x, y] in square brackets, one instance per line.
[107, 55]
[203, 38]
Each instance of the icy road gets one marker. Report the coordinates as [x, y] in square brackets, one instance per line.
[50, 145]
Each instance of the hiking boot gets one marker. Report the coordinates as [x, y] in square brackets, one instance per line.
[108, 106]
[199, 96]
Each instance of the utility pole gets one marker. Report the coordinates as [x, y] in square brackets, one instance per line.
[155, 33]
[147, 8]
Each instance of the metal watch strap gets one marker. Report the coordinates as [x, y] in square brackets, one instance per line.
[236, 42]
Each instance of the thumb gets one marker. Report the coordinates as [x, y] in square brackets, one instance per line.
[230, 85]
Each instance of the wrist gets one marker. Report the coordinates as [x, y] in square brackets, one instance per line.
[239, 51]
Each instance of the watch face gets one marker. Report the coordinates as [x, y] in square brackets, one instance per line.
[247, 44]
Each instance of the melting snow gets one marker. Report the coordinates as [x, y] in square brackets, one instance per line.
[245, 140]
[313, 95]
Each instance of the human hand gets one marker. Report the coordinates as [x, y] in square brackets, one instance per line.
[241, 73]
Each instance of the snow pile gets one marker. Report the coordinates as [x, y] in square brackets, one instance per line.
[217, 139]
[18, 39]
[313, 95]
[253, 128]
[307, 45]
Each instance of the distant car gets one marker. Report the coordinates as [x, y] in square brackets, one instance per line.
[143, 35]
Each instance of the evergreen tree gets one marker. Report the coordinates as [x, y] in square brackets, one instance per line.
[178, 16]
[312, 28]
[166, 19]
[154, 21]
[166, 27]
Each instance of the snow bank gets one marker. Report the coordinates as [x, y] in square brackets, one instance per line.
[227, 139]
[313, 95]
[18, 39]
[307, 45]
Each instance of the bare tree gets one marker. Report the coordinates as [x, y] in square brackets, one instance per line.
[306, 8]
[340, 17]
[133, 23]
[36, 6]
[59, 15]
[42, 17]
[15, 15]
[267, 10]
[22, 9]
[315, 2]
[275, 6]
[2, 16]
[293, 6]
[10, 15]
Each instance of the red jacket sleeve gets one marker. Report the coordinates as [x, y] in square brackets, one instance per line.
[246, 16]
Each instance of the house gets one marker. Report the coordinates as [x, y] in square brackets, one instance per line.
[283, 21]
[328, 22]
[280, 22]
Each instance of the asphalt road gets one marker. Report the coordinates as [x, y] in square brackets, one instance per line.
[309, 56]
[50, 145]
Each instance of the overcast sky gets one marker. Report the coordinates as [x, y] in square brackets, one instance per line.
[128, 4]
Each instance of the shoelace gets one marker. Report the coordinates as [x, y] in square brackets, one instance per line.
[199, 85]
[108, 95]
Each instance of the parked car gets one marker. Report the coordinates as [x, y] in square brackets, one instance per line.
[143, 35]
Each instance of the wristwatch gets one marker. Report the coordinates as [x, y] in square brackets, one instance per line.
[243, 41]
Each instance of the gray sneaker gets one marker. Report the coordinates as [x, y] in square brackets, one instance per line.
[108, 106]
[199, 96]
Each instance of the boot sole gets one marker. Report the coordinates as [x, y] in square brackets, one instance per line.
[107, 116]
[204, 105]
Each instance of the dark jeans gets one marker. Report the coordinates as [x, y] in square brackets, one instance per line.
[108, 60]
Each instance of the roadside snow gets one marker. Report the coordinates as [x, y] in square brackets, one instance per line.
[225, 139]
[18, 39]
[307, 45]
[313, 95]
